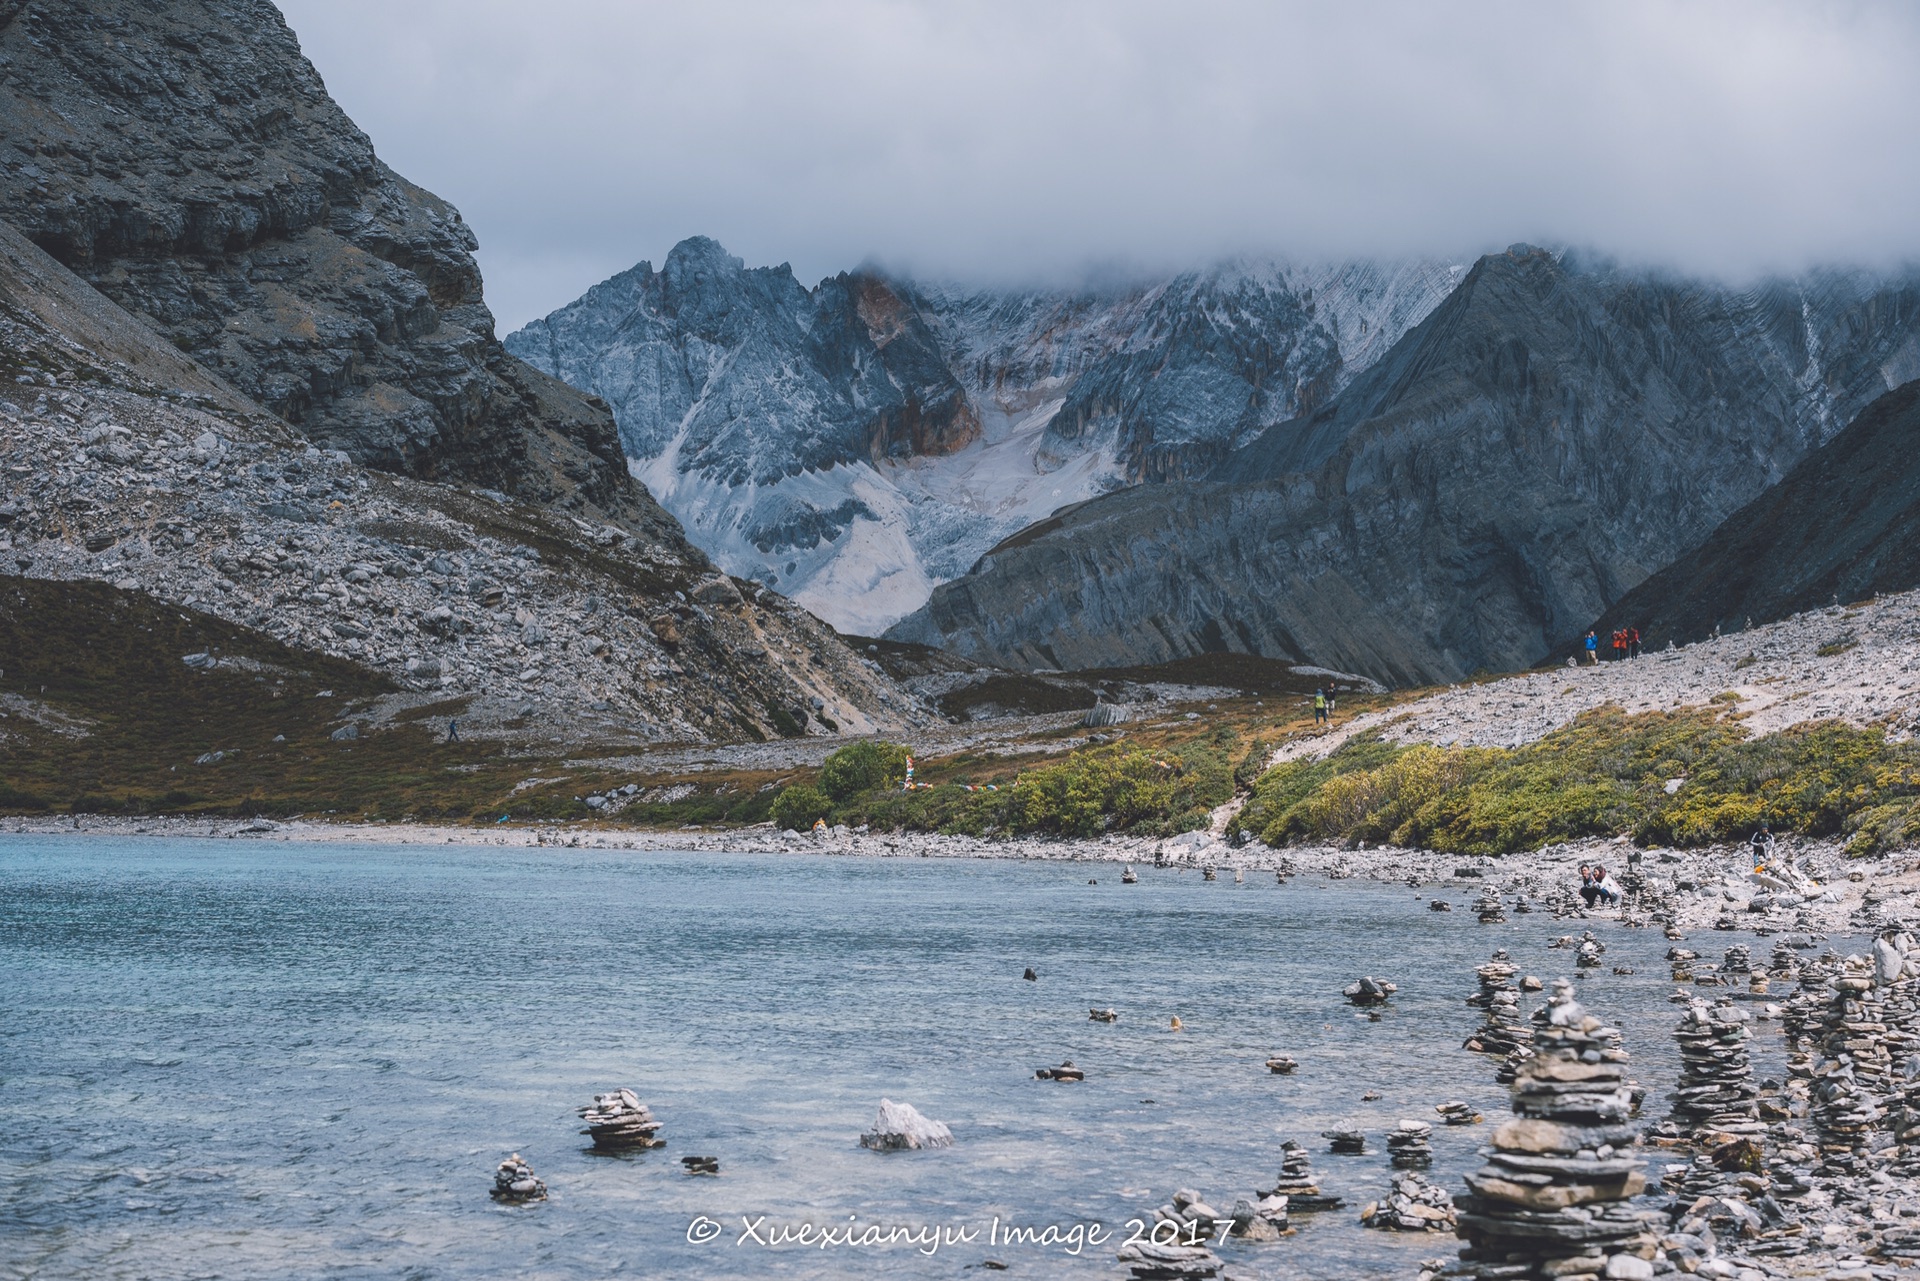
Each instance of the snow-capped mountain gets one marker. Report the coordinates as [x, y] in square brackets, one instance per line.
[1553, 433]
[859, 443]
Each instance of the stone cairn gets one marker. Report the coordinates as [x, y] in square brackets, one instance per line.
[620, 1122]
[1801, 1012]
[1853, 1069]
[1368, 991]
[1065, 1072]
[1149, 1260]
[1260, 1219]
[1896, 963]
[515, 1182]
[1414, 1205]
[1503, 1032]
[1296, 1182]
[1681, 960]
[1346, 1141]
[1896, 957]
[1784, 963]
[899, 1127]
[1800, 1019]
[1281, 1065]
[1737, 960]
[1489, 907]
[1176, 1247]
[1552, 1200]
[1716, 1089]
[1409, 1145]
[1457, 1112]
[1590, 950]
[1718, 1194]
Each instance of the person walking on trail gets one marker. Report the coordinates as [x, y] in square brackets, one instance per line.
[453, 731]
[1633, 642]
[1320, 707]
[1593, 649]
[1333, 692]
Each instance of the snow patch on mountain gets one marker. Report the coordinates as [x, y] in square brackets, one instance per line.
[857, 444]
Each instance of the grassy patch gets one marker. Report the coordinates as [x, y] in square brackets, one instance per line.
[1602, 775]
[1122, 787]
[258, 713]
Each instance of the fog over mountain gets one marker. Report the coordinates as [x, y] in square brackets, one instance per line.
[1001, 143]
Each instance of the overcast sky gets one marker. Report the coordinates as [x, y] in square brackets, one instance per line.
[1045, 138]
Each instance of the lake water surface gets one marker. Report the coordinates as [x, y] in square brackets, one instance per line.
[235, 1059]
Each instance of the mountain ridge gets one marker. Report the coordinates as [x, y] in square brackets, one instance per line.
[1543, 440]
[857, 443]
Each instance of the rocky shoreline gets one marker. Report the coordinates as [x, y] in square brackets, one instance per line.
[1694, 889]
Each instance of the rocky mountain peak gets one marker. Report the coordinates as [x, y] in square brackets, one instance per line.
[859, 442]
[186, 160]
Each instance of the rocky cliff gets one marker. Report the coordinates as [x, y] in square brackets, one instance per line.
[250, 372]
[1842, 526]
[859, 442]
[1549, 436]
[124, 464]
[185, 159]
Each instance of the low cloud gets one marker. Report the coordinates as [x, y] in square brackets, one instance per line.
[1018, 141]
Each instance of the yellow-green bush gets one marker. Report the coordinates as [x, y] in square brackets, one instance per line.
[1604, 774]
[1107, 789]
[799, 806]
[865, 766]
[1084, 793]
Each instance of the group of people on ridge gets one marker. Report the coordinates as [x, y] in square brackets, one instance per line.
[1625, 644]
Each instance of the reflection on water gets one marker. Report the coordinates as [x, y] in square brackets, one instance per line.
[223, 1059]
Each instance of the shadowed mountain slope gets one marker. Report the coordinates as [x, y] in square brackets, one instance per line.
[1550, 435]
[1843, 525]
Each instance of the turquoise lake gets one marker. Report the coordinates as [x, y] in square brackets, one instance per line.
[237, 1059]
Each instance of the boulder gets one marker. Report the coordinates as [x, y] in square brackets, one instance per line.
[899, 1127]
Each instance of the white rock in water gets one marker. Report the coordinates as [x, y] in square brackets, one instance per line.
[899, 1126]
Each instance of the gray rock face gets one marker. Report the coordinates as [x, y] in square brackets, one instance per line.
[857, 443]
[536, 618]
[1844, 524]
[1545, 439]
[186, 160]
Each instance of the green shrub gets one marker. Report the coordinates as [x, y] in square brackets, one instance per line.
[1253, 764]
[1604, 774]
[1208, 768]
[799, 806]
[13, 799]
[863, 767]
[1269, 811]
